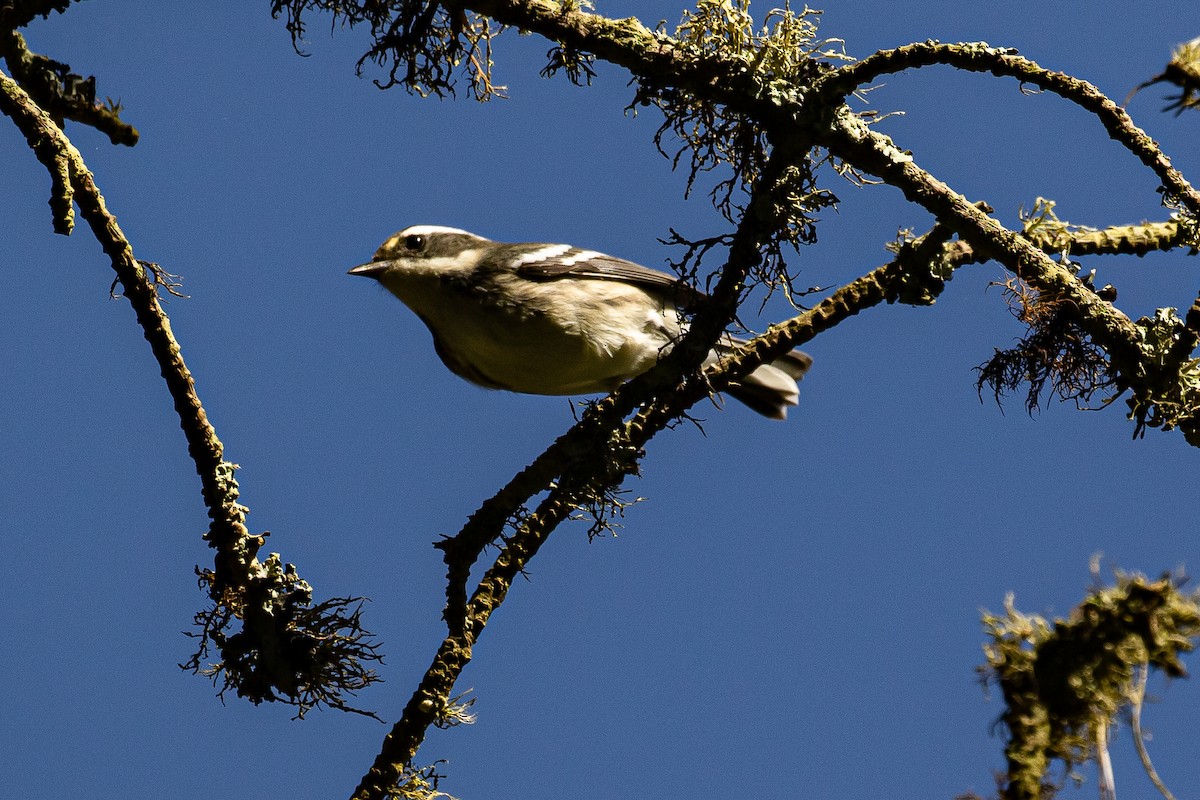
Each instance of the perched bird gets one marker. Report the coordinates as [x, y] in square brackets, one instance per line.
[551, 318]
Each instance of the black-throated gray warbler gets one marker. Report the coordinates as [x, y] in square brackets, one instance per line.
[551, 318]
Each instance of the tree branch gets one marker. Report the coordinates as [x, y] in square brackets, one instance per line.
[1138, 364]
[62, 93]
[590, 460]
[979, 57]
[309, 654]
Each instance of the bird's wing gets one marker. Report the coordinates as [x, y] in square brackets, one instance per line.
[576, 263]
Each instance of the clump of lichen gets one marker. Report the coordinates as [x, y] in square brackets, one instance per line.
[1055, 353]
[1064, 683]
[1170, 395]
[1183, 70]
[776, 62]
[423, 46]
[273, 644]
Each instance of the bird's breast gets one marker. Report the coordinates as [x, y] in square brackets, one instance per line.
[554, 337]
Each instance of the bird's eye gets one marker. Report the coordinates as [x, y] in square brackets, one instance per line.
[414, 242]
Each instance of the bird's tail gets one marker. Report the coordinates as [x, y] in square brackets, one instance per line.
[771, 388]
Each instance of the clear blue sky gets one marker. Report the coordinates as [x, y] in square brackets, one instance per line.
[793, 611]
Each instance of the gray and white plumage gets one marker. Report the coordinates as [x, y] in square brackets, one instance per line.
[552, 319]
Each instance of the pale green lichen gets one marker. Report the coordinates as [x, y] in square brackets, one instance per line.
[456, 711]
[1042, 224]
[1170, 395]
[1183, 70]
[1064, 683]
[922, 277]
[423, 46]
[420, 783]
[775, 62]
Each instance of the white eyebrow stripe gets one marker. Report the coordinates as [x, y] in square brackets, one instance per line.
[544, 254]
[426, 230]
[582, 255]
[440, 266]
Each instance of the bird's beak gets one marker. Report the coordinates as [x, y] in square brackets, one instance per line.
[372, 270]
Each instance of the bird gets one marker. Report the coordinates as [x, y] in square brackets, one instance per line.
[553, 319]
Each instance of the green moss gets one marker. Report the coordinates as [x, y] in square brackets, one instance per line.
[1064, 683]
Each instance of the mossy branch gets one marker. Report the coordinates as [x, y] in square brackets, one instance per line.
[1064, 683]
[980, 57]
[718, 90]
[287, 648]
[62, 93]
[1137, 351]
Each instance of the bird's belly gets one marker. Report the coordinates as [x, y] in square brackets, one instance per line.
[572, 349]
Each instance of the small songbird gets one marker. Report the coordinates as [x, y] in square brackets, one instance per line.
[551, 318]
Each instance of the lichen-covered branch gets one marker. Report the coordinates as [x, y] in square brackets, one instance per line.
[1115, 240]
[1164, 380]
[739, 99]
[62, 93]
[980, 57]
[1064, 683]
[1057, 352]
[854, 141]
[286, 646]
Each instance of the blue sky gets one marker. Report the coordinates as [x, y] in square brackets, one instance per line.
[794, 609]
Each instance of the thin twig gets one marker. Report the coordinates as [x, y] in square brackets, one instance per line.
[1137, 701]
[1108, 784]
